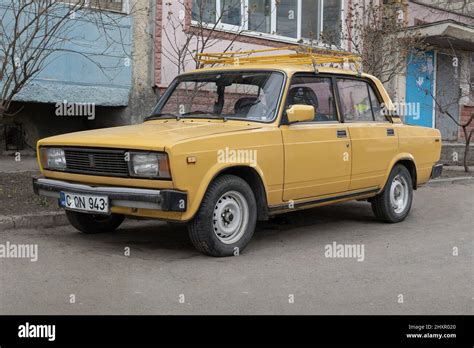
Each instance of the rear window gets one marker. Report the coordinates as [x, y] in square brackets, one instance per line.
[359, 102]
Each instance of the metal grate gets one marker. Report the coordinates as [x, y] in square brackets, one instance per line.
[96, 162]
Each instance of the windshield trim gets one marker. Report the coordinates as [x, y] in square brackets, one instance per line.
[164, 98]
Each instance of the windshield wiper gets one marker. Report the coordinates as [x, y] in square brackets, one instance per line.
[158, 116]
[205, 114]
[199, 112]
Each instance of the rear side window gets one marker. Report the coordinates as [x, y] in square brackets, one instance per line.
[358, 101]
[376, 107]
[314, 91]
[355, 100]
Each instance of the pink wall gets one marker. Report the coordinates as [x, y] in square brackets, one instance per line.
[165, 71]
[430, 15]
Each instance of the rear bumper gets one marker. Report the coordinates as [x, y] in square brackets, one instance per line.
[129, 197]
[436, 171]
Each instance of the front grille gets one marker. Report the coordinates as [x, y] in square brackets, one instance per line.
[96, 162]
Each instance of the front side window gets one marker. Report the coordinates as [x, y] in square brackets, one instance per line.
[316, 92]
[252, 96]
[355, 100]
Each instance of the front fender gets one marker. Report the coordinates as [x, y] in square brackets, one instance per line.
[196, 197]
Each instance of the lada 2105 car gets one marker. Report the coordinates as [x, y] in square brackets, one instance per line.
[230, 145]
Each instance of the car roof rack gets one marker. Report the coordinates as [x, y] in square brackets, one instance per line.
[302, 56]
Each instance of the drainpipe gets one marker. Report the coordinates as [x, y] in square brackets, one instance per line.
[349, 47]
[153, 43]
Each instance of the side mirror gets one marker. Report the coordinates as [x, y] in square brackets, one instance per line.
[300, 113]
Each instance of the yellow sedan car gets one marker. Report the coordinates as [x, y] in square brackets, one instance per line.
[228, 146]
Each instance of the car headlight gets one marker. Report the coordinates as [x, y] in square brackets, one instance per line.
[149, 165]
[53, 158]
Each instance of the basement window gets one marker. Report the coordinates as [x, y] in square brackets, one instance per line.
[13, 137]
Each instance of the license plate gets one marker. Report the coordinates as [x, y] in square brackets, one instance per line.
[87, 203]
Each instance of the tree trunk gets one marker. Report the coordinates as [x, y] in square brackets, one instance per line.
[466, 149]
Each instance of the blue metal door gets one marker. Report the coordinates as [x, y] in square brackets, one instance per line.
[420, 89]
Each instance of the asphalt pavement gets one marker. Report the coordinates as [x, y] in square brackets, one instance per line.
[423, 265]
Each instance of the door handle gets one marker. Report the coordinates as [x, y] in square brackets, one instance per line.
[341, 133]
[390, 132]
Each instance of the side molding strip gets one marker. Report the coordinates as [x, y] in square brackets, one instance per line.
[280, 207]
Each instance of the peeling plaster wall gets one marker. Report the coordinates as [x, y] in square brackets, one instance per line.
[143, 98]
[125, 99]
[165, 68]
[87, 66]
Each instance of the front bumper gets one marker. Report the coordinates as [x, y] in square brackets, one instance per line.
[436, 171]
[129, 197]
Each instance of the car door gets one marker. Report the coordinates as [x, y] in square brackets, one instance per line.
[373, 138]
[317, 153]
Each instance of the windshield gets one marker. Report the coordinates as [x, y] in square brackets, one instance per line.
[252, 96]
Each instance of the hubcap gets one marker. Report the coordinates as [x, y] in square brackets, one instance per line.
[399, 193]
[231, 215]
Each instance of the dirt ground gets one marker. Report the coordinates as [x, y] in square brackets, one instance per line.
[17, 197]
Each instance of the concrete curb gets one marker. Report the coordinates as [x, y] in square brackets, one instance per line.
[444, 181]
[48, 219]
[456, 168]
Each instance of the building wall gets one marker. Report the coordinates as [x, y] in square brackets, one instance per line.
[143, 97]
[124, 95]
[423, 11]
[90, 67]
[467, 111]
[168, 40]
[415, 13]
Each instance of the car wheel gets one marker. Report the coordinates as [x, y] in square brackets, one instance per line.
[393, 204]
[93, 224]
[226, 220]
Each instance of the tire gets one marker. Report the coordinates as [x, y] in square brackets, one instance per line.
[226, 219]
[393, 204]
[93, 224]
